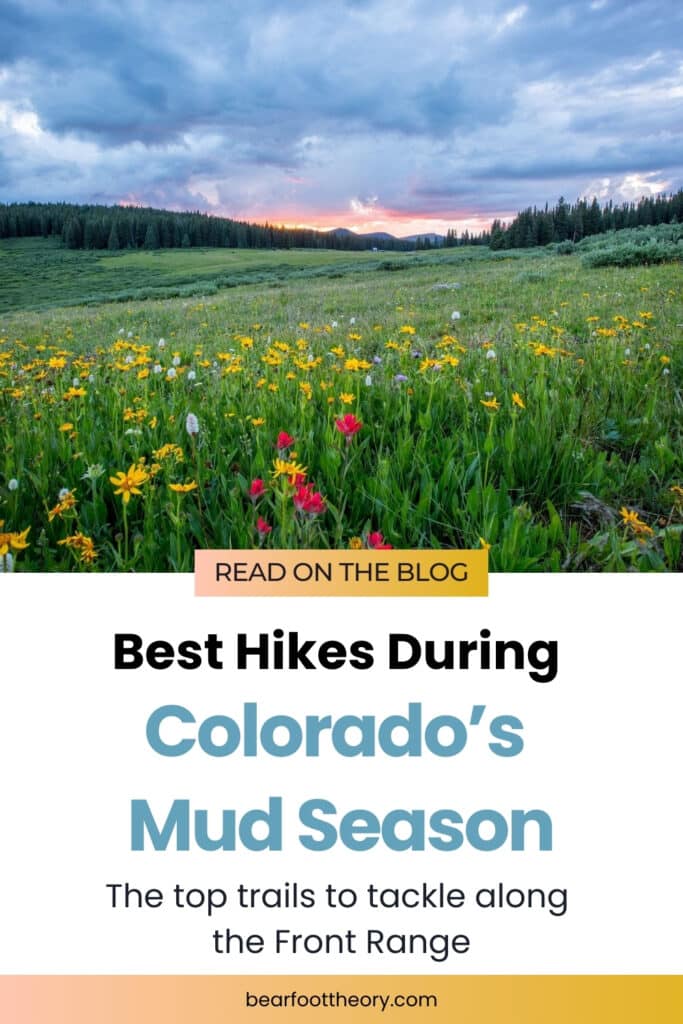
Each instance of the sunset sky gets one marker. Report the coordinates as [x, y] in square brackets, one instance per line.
[396, 116]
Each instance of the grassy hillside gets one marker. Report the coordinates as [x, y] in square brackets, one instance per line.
[38, 273]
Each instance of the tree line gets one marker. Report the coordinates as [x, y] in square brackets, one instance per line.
[132, 227]
[571, 223]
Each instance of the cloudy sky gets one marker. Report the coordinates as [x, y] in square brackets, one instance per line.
[398, 115]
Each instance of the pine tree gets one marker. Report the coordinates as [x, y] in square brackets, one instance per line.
[73, 233]
[152, 236]
[497, 236]
[114, 241]
[561, 221]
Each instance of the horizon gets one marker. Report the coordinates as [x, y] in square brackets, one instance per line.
[475, 228]
[405, 118]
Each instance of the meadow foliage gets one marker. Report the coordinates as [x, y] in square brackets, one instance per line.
[531, 406]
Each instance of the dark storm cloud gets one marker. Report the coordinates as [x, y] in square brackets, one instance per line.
[616, 160]
[565, 38]
[280, 105]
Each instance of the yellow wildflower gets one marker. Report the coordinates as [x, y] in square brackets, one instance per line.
[543, 350]
[168, 451]
[632, 519]
[288, 468]
[15, 541]
[191, 485]
[66, 502]
[83, 545]
[130, 482]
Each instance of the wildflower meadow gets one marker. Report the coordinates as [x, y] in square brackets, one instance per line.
[531, 406]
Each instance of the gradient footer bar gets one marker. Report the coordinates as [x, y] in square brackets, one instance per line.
[528, 999]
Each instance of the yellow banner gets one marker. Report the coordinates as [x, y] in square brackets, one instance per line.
[265, 573]
[530, 999]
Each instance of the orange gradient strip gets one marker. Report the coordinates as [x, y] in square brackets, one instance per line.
[266, 573]
[536, 999]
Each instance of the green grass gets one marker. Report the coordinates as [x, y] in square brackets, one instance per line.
[40, 274]
[432, 466]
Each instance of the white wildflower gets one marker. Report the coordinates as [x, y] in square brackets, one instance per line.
[192, 424]
[13, 484]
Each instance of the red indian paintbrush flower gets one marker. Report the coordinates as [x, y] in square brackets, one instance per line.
[348, 425]
[376, 542]
[284, 440]
[262, 526]
[309, 501]
[256, 490]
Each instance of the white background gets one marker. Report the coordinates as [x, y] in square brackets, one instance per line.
[602, 756]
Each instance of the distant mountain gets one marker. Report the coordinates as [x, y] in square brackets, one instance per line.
[347, 233]
[384, 236]
[429, 237]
